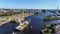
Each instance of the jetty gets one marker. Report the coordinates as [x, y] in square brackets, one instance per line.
[17, 18]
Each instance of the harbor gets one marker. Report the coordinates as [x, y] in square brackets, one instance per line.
[29, 23]
[29, 16]
[18, 19]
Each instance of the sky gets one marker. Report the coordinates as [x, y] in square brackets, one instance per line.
[30, 4]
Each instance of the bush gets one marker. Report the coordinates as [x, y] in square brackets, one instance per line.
[9, 13]
[49, 18]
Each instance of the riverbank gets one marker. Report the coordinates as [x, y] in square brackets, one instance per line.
[5, 19]
[50, 18]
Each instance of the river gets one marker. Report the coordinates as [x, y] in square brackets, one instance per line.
[37, 23]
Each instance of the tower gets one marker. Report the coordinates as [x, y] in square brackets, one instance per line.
[57, 7]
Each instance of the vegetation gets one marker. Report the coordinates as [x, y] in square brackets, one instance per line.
[49, 18]
[9, 13]
[43, 11]
[48, 29]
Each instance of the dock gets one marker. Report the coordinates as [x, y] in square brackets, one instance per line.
[16, 17]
